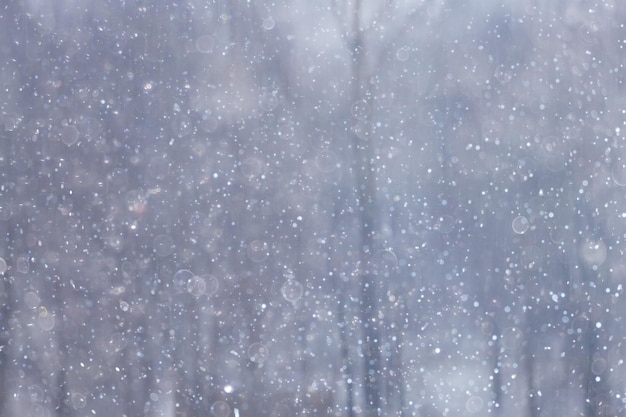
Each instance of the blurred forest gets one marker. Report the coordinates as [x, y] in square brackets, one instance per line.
[355, 208]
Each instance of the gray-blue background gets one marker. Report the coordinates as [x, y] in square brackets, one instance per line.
[312, 208]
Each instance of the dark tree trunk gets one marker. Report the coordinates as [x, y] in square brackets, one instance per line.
[496, 373]
[365, 182]
[597, 390]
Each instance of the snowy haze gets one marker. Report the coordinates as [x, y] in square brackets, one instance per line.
[312, 208]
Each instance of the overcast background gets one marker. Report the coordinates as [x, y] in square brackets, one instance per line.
[349, 208]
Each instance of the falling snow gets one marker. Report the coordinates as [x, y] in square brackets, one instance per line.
[312, 208]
